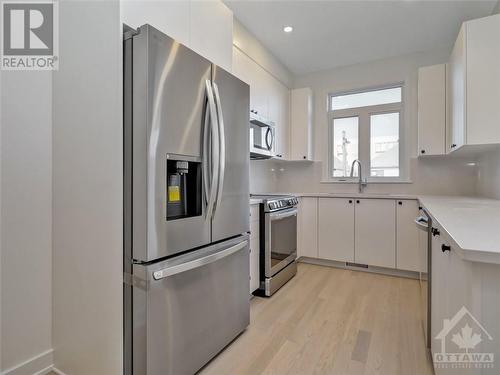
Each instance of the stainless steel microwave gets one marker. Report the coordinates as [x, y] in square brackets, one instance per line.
[262, 137]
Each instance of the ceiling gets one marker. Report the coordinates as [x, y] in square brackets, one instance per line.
[329, 34]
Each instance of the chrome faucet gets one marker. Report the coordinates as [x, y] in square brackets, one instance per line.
[362, 182]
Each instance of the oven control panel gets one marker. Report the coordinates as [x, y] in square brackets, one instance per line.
[281, 203]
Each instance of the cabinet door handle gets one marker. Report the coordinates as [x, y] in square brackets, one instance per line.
[435, 232]
[400, 203]
[422, 151]
[445, 248]
[453, 145]
[357, 201]
[350, 201]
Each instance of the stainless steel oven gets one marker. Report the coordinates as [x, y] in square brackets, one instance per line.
[262, 137]
[278, 242]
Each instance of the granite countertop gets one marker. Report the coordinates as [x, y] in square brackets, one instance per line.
[471, 223]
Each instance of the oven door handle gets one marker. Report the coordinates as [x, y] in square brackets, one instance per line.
[283, 215]
[422, 223]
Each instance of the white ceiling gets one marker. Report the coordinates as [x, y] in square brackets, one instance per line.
[328, 34]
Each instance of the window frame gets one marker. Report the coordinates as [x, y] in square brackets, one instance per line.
[364, 136]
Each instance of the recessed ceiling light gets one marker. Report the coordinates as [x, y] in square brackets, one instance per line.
[287, 29]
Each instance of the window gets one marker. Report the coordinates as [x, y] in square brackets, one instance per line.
[366, 125]
[345, 140]
[384, 145]
[367, 98]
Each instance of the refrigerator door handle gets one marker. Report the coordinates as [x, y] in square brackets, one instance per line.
[174, 270]
[210, 152]
[222, 146]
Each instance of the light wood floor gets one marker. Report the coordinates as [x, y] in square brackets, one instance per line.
[331, 321]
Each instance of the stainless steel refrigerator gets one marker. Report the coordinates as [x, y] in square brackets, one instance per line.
[186, 206]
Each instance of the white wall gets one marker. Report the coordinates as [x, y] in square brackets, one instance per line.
[25, 232]
[87, 190]
[435, 176]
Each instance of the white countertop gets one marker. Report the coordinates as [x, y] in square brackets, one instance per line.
[350, 195]
[472, 224]
[255, 201]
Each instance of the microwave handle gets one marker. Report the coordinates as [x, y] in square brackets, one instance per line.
[269, 144]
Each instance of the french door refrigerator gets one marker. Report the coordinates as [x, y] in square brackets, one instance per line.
[186, 206]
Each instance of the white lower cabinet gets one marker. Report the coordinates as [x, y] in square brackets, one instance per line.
[422, 251]
[458, 283]
[307, 234]
[407, 237]
[336, 229]
[440, 267]
[254, 248]
[375, 232]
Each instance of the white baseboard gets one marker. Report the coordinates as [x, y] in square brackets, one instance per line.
[372, 269]
[58, 372]
[45, 371]
[40, 364]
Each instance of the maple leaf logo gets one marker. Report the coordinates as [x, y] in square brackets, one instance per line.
[466, 340]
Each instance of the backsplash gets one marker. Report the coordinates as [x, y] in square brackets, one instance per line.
[488, 181]
[263, 176]
[436, 176]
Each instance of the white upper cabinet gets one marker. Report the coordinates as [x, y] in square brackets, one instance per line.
[248, 71]
[432, 110]
[375, 232]
[336, 229]
[475, 84]
[211, 32]
[457, 93]
[301, 124]
[170, 17]
[269, 98]
[279, 104]
[408, 256]
[204, 26]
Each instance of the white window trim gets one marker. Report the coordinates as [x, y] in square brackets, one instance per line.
[363, 113]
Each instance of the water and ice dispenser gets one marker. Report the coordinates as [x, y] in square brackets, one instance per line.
[184, 189]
